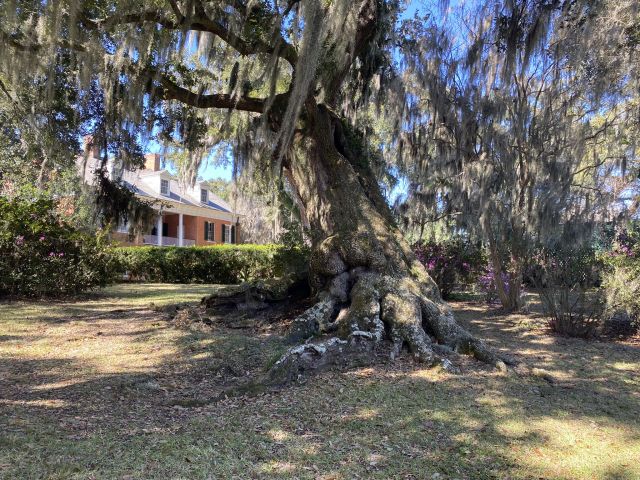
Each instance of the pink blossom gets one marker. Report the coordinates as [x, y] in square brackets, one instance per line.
[41, 238]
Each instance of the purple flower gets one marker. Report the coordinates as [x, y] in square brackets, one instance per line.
[20, 240]
[61, 254]
[51, 254]
[41, 238]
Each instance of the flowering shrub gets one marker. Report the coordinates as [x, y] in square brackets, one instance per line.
[41, 254]
[450, 263]
[626, 243]
[487, 285]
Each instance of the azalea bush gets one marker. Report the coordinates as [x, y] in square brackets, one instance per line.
[226, 264]
[451, 263]
[42, 254]
[486, 284]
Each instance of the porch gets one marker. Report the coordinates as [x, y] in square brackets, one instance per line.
[173, 230]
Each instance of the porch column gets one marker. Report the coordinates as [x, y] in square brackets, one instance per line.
[159, 230]
[180, 230]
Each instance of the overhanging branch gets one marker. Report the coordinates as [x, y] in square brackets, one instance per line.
[200, 22]
[14, 42]
[172, 91]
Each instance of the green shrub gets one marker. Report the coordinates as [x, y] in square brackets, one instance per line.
[41, 254]
[226, 264]
[451, 263]
[565, 277]
[621, 287]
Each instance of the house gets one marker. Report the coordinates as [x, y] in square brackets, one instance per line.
[187, 215]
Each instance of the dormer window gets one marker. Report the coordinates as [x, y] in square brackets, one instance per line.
[204, 195]
[164, 187]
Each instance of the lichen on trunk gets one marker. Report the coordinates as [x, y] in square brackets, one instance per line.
[373, 295]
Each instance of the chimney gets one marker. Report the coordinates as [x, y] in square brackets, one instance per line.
[152, 161]
[91, 150]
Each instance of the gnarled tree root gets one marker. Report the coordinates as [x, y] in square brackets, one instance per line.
[361, 316]
[364, 315]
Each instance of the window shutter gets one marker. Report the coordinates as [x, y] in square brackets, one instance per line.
[233, 234]
[212, 235]
[224, 236]
[206, 230]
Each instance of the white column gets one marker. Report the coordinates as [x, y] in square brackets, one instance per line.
[159, 230]
[180, 230]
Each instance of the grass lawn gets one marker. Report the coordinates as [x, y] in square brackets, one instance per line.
[105, 387]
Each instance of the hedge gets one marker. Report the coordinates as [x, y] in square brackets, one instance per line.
[224, 264]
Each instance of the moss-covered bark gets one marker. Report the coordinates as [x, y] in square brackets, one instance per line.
[373, 295]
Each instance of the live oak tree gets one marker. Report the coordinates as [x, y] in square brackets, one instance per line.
[28, 133]
[524, 125]
[283, 84]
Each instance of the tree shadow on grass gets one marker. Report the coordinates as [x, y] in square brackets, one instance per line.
[389, 421]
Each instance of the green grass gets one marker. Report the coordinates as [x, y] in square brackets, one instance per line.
[88, 390]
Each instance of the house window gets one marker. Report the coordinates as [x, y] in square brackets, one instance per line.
[209, 231]
[164, 187]
[227, 234]
[204, 195]
[123, 226]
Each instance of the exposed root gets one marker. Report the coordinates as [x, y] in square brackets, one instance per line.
[256, 295]
[365, 310]
[402, 312]
[439, 320]
[383, 316]
[314, 357]
[313, 320]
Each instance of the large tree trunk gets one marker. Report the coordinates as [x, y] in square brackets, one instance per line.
[372, 293]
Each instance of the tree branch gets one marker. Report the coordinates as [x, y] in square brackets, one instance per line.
[176, 10]
[172, 91]
[201, 22]
[282, 49]
[12, 40]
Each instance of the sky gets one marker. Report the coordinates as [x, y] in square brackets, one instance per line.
[211, 170]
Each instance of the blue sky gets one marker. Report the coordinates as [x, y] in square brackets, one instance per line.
[210, 170]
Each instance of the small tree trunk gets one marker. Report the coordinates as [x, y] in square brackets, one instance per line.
[509, 293]
[370, 288]
[515, 289]
[498, 281]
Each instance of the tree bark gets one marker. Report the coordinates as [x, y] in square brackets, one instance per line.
[372, 293]
[510, 292]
